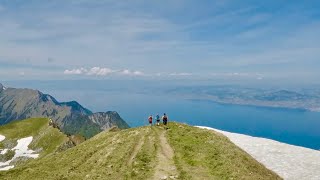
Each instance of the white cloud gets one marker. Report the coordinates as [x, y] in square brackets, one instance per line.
[180, 74]
[126, 72]
[131, 73]
[100, 71]
[138, 73]
[97, 71]
[74, 71]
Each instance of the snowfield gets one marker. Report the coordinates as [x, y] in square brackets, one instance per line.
[21, 150]
[288, 161]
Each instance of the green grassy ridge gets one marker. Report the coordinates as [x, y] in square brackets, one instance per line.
[45, 138]
[198, 154]
[104, 156]
[206, 154]
[24, 128]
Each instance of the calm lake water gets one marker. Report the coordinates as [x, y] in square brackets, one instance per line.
[295, 127]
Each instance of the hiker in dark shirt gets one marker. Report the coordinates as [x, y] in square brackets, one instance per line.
[165, 119]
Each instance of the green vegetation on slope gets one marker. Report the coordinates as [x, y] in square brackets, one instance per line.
[82, 126]
[134, 154]
[205, 154]
[46, 139]
[105, 156]
[7, 156]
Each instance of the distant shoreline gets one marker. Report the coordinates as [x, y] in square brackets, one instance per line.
[256, 105]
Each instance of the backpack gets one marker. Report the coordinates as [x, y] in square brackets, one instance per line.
[165, 118]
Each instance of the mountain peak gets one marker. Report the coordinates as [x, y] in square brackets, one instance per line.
[75, 106]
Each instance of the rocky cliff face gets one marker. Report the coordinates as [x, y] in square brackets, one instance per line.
[71, 117]
[106, 120]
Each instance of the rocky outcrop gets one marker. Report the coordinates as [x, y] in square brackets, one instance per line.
[108, 119]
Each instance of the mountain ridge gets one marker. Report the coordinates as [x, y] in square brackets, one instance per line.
[179, 152]
[71, 117]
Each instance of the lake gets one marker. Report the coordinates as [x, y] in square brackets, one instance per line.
[135, 103]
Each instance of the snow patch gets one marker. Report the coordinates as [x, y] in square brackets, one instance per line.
[2, 137]
[3, 151]
[288, 161]
[21, 150]
[6, 168]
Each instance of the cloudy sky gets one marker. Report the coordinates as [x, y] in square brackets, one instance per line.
[62, 39]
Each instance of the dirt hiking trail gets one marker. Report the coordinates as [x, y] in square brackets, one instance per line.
[165, 168]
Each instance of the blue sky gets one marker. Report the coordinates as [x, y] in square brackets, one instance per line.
[167, 39]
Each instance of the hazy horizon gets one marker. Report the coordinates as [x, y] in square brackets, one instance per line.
[135, 100]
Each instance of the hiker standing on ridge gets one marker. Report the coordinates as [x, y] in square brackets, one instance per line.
[158, 119]
[150, 120]
[165, 119]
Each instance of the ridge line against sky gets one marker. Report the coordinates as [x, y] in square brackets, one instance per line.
[226, 39]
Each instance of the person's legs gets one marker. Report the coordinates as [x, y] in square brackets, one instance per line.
[165, 122]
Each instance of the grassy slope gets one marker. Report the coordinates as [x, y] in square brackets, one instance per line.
[132, 154]
[204, 154]
[44, 137]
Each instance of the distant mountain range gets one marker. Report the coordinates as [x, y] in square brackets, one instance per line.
[71, 117]
[279, 98]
